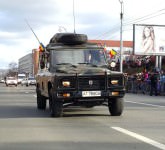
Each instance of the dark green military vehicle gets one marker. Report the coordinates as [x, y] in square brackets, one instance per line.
[73, 72]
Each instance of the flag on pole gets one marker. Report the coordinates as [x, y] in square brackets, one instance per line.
[112, 53]
[41, 47]
[105, 47]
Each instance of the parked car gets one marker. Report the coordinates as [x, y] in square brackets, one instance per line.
[24, 81]
[11, 81]
[2, 81]
[31, 81]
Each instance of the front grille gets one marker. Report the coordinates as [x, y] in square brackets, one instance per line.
[91, 83]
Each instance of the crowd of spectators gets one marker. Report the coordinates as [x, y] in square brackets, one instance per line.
[150, 82]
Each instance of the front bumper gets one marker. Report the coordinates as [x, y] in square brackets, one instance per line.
[95, 95]
[11, 83]
[91, 87]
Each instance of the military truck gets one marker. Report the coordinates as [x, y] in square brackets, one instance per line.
[73, 72]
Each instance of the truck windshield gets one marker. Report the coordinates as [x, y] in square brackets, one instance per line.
[78, 56]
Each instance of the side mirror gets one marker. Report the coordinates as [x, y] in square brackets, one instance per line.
[42, 64]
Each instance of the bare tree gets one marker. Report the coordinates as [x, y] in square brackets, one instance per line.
[13, 69]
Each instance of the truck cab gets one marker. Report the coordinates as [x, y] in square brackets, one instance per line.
[73, 72]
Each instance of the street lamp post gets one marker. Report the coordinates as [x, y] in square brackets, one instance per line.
[121, 40]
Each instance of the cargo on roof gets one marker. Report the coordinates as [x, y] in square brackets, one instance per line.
[69, 38]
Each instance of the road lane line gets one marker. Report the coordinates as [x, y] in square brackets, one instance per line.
[140, 137]
[145, 104]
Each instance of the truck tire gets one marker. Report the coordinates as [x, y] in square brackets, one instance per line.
[41, 101]
[56, 108]
[69, 38]
[116, 106]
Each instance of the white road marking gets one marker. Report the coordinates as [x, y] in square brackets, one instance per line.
[35, 95]
[141, 138]
[145, 104]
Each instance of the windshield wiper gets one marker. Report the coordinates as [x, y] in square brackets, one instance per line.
[66, 64]
[86, 63]
[104, 66]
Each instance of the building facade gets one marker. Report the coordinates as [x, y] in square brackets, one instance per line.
[35, 57]
[110, 44]
[28, 64]
[25, 65]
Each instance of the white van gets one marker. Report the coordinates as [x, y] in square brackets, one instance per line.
[21, 77]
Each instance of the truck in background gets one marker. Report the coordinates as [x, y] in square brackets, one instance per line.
[20, 77]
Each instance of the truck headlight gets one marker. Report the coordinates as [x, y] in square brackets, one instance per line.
[113, 82]
[66, 83]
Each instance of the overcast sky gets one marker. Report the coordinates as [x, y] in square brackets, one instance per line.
[99, 19]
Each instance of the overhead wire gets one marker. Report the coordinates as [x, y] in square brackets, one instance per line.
[114, 29]
[146, 17]
[133, 21]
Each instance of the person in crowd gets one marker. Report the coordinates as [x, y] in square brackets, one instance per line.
[133, 83]
[148, 39]
[145, 75]
[144, 80]
[154, 79]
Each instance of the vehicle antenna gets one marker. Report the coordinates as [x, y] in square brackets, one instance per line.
[32, 31]
[41, 45]
[74, 17]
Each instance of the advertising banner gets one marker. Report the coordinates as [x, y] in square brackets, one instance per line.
[149, 39]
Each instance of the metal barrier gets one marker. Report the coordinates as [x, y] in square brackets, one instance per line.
[139, 86]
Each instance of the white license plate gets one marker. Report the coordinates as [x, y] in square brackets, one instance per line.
[91, 93]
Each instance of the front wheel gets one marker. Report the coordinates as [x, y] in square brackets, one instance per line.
[55, 106]
[116, 106]
[41, 101]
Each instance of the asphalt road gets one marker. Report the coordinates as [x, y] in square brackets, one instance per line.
[23, 127]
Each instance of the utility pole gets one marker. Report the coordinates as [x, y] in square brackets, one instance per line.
[121, 35]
